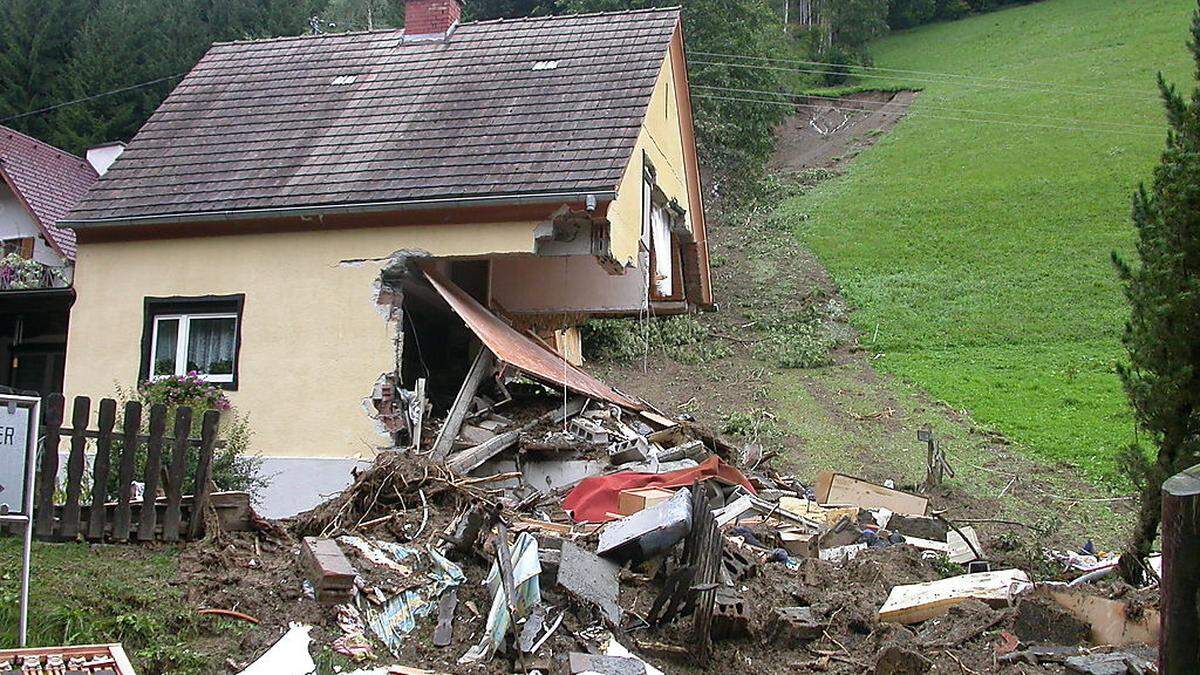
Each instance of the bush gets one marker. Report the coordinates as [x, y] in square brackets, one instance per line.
[754, 425]
[804, 339]
[233, 465]
[682, 338]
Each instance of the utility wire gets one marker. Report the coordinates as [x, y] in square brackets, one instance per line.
[935, 117]
[926, 106]
[931, 73]
[85, 99]
[893, 78]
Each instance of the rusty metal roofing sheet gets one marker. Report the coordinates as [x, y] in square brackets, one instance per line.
[523, 352]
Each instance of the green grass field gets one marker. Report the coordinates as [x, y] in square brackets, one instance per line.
[978, 253]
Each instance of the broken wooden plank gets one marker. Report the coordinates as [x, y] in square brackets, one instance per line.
[483, 366]
[1111, 621]
[839, 488]
[465, 460]
[913, 603]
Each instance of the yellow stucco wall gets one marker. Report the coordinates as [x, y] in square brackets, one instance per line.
[662, 143]
[313, 341]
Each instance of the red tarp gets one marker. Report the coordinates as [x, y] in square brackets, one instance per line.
[594, 498]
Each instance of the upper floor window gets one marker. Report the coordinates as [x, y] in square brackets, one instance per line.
[193, 335]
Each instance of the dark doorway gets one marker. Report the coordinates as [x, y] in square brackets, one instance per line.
[33, 339]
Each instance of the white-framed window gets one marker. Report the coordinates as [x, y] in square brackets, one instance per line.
[202, 343]
[193, 335]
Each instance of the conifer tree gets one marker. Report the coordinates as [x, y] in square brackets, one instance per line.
[1162, 336]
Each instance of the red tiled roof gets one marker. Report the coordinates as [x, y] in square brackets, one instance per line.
[47, 180]
[499, 109]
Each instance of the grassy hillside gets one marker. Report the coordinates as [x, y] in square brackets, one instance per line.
[978, 253]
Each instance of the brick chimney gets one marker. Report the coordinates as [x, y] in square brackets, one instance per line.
[430, 18]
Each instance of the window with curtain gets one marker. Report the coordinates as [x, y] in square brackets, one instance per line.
[199, 336]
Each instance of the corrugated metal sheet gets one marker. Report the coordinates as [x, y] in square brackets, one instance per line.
[523, 352]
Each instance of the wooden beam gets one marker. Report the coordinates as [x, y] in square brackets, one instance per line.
[484, 364]
[462, 462]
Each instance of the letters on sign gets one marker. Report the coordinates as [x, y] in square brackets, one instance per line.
[14, 445]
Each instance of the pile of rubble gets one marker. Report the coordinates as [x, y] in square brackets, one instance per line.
[543, 521]
[537, 532]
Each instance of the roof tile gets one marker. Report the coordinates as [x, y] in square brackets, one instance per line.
[50, 181]
[367, 117]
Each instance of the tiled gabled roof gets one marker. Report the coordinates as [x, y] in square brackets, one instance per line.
[501, 108]
[47, 180]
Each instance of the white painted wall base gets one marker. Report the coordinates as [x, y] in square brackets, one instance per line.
[299, 483]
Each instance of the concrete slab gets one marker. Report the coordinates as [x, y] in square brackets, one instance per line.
[591, 579]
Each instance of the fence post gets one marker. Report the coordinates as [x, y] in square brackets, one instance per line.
[149, 516]
[132, 425]
[208, 438]
[176, 472]
[69, 528]
[1178, 647]
[97, 516]
[48, 472]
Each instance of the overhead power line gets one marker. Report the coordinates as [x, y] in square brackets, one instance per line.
[894, 78]
[957, 76]
[930, 116]
[926, 106]
[93, 97]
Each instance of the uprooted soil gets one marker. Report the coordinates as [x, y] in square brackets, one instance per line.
[827, 133]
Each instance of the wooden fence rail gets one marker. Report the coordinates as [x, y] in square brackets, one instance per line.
[119, 517]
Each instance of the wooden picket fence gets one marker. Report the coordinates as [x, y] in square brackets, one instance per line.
[178, 516]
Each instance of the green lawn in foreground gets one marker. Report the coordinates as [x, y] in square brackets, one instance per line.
[979, 253]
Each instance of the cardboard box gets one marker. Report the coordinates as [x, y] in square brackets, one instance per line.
[631, 501]
[838, 488]
[798, 542]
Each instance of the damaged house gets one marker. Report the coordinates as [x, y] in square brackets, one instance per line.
[323, 224]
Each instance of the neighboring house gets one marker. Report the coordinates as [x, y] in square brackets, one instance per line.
[262, 227]
[39, 184]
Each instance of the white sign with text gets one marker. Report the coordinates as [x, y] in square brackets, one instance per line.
[14, 455]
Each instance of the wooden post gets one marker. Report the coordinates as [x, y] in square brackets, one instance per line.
[148, 517]
[208, 438]
[97, 519]
[484, 363]
[179, 459]
[1178, 646]
[48, 471]
[69, 528]
[129, 445]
